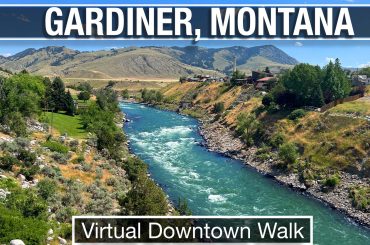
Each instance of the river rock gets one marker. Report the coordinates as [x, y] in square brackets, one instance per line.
[16, 242]
[21, 177]
[3, 193]
[62, 240]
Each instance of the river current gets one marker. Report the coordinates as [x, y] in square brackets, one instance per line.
[216, 185]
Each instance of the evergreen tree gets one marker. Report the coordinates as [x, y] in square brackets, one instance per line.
[58, 94]
[335, 83]
[69, 104]
[236, 75]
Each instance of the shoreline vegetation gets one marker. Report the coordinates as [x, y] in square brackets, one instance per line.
[324, 155]
[60, 158]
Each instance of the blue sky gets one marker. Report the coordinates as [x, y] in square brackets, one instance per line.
[351, 53]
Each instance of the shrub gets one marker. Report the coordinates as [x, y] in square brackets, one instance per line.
[267, 100]
[47, 188]
[28, 203]
[22, 142]
[86, 167]
[332, 181]
[206, 101]
[60, 158]
[7, 162]
[360, 197]
[65, 214]
[27, 157]
[30, 172]
[55, 146]
[32, 231]
[288, 153]
[296, 114]
[218, 107]
[84, 95]
[145, 198]
[277, 140]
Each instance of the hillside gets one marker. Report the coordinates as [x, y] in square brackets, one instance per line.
[324, 154]
[145, 62]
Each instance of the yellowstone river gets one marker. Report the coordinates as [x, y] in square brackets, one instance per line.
[216, 185]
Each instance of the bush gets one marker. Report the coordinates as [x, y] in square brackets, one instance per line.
[47, 188]
[84, 95]
[55, 146]
[7, 162]
[277, 140]
[30, 172]
[267, 100]
[296, 114]
[332, 181]
[60, 158]
[31, 230]
[28, 203]
[218, 107]
[360, 197]
[27, 157]
[288, 153]
[145, 198]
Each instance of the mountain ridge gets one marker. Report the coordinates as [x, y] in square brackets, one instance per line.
[151, 61]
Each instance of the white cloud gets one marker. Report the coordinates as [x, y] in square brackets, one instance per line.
[298, 44]
[6, 54]
[328, 59]
[364, 65]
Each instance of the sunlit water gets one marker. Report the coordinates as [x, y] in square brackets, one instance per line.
[217, 185]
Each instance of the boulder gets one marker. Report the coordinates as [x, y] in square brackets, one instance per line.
[21, 177]
[50, 232]
[62, 240]
[4, 193]
[25, 185]
[16, 242]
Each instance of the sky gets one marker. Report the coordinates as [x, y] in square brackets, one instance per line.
[352, 53]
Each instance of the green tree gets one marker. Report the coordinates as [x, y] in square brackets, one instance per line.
[218, 107]
[144, 198]
[288, 153]
[69, 104]
[247, 125]
[84, 95]
[304, 81]
[58, 94]
[335, 83]
[85, 86]
[47, 188]
[125, 94]
[236, 75]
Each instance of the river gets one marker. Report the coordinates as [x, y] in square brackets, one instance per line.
[216, 185]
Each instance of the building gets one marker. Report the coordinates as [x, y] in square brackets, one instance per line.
[265, 83]
[360, 80]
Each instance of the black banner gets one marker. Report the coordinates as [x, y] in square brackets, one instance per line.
[193, 229]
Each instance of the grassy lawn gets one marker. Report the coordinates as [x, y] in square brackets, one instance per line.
[67, 124]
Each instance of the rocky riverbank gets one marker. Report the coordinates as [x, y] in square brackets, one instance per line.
[221, 139]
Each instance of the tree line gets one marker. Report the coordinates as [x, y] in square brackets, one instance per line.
[308, 85]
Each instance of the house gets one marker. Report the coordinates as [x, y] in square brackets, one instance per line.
[265, 83]
[360, 80]
[260, 74]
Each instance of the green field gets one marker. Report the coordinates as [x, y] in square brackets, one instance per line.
[67, 124]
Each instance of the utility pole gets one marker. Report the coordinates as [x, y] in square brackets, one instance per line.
[234, 68]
